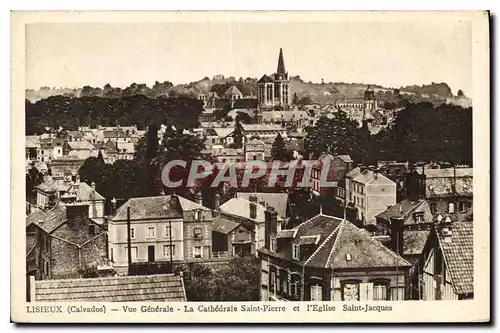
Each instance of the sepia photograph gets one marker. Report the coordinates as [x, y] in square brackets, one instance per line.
[209, 163]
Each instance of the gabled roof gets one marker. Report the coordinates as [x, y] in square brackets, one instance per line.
[345, 158]
[233, 90]
[114, 134]
[154, 207]
[458, 255]
[160, 288]
[76, 134]
[368, 176]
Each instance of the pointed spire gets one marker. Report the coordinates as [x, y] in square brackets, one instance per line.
[281, 72]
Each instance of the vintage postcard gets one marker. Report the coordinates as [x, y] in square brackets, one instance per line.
[234, 167]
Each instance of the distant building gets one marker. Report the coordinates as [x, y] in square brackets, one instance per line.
[370, 192]
[273, 91]
[232, 94]
[254, 150]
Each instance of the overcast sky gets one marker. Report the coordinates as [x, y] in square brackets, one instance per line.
[388, 53]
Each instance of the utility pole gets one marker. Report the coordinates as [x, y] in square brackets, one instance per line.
[129, 242]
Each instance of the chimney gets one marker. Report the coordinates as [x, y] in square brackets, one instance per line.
[397, 229]
[216, 201]
[447, 233]
[253, 206]
[271, 225]
[92, 186]
[174, 200]
[262, 203]
[362, 167]
[113, 206]
[198, 198]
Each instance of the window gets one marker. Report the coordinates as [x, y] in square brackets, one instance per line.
[462, 207]
[168, 250]
[419, 217]
[379, 291]
[111, 254]
[91, 229]
[362, 201]
[197, 215]
[366, 291]
[433, 207]
[168, 231]
[197, 233]
[397, 294]
[151, 232]
[350, 292]
[273, 282]
[316, 293]
[273, 244]
[132, 233]
[197, 252]
[451, 207]
[295, 251]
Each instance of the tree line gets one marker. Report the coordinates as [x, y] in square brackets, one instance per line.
[71, 112]
[419, 132]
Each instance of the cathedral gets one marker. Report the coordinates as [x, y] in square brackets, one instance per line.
[273, 91]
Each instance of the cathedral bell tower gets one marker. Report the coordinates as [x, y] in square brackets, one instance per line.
[273, 91]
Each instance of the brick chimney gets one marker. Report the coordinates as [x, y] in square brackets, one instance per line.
[397, 240]
[253, 206]
[217, 201]
[198, 198]
[271, 225]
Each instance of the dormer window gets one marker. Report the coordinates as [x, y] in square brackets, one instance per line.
[197, 215]
[296, 252]
[272, 245]
[419, 217]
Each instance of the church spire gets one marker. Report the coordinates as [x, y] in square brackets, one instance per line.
[281, 72]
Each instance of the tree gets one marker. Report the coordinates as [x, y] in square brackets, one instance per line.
[235, 281]
[460, 93]
[238, 134]
[278, 150]
[243, 117]
[33, 178]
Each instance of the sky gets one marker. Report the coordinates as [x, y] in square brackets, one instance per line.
[392, 54]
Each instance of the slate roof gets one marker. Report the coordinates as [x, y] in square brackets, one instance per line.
[223, 224]
[337, 239]
[51, 219]
[414, 241]
[153, 207]
[459, 256]
[440, 182]
[30, 243]
[80, 145]
[401, 209]
[161, 288]
[278, 201]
